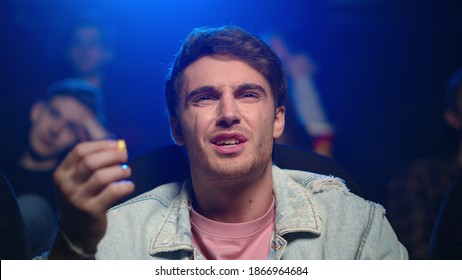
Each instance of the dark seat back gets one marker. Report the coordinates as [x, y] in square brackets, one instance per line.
[12, 236]
[446, 243]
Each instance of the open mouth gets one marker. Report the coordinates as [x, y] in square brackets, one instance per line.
[229, 142]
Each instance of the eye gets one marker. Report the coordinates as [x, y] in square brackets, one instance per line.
[55, 114]
[72, 127]
[202, 100]
[249, 96]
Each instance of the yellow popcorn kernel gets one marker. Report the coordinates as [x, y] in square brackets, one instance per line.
[122, 146]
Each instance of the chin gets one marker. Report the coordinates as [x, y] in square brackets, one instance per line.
[229, 167]
[230, 171]
[236, 169]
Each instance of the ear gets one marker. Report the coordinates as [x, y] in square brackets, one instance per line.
[279, 122]
[177, 134]
[452, 119]
[36, 111]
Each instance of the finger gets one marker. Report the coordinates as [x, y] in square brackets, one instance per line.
[111, 194]
[85, 148]
[100, 179]
[92, 162]
[79, 197]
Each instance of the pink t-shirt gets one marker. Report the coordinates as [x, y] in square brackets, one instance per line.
[233, 241]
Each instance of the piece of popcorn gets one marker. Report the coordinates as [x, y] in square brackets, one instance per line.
[122, 146]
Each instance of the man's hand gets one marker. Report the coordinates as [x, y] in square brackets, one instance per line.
[89, 181]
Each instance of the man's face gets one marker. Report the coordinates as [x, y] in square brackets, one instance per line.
[56, 126]
[227, 119]
[87, 53]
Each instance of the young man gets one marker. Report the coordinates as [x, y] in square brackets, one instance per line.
[225, 93]
[90, 51]
[70, 112]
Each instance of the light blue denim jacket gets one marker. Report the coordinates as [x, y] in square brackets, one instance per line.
[316, 218]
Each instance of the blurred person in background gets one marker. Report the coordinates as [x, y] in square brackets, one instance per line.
[86, 53]
[308, 117]
[90, 55]
[416, 191]
[71, 112]
[90, 49]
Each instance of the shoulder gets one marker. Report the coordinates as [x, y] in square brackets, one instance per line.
[131, 224]
[313, 182]
[347, 222]
[330, 196]
[154, 200]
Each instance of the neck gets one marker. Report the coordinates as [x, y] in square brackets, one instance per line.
[233, 201]
[28, 162]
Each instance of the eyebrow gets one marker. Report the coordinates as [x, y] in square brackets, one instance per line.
[54, 109]
[245, 87]
[199, 91]
[213, 90]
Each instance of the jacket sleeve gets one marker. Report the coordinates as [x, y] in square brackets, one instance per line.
[378, 240]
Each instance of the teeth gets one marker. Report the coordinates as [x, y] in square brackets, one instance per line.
[228, 142]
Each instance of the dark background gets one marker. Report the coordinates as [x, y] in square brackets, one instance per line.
[381, 67]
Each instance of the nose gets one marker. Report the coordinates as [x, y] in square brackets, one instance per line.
[228, 111]
[55, 127]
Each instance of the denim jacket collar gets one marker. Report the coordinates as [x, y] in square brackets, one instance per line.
[174, 231]
[294, 213]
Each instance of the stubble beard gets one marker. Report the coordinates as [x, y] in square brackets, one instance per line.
[232, 169]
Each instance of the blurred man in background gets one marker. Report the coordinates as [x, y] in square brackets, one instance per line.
[71, 112]
[306, 114]
[416, 191]
[90, 50]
